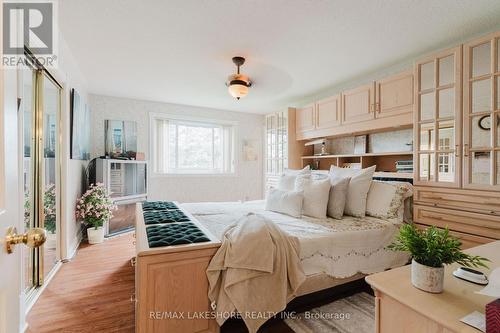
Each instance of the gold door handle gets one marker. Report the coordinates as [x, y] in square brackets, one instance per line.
[34, 237]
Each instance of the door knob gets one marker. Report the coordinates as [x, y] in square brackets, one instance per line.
[34, 237]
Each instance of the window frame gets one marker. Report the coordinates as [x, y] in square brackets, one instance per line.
[154, 117]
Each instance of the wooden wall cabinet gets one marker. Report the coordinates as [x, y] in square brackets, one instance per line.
[394, 95]
[457, 146]
[482, 113]
[358, 104]
[328, 112]
[377, 106]
[438, 119]
[305, 118]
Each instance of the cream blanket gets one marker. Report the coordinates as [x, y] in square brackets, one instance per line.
[255, 272]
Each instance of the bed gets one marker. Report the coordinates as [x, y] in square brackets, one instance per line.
[332, 252]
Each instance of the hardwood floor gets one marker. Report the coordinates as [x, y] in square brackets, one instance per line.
[91, 293]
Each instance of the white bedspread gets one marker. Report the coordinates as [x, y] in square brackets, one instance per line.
[339, 248]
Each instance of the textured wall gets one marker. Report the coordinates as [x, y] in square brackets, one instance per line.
[247, 184]
[70, 76]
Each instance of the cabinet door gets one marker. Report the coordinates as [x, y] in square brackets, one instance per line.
[305, 119]
[437, 141]
[395, 95]
[482, 113]
[358, 104]
[328, 112]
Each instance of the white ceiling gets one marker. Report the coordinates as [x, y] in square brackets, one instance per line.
[179, 51]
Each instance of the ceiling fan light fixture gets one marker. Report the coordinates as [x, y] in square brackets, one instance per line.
[238, 84]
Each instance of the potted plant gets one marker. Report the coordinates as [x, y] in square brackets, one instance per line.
[431, 249]
[95, 208]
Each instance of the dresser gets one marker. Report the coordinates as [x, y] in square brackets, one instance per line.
[402, 308]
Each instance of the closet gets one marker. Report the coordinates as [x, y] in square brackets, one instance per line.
[456, 143]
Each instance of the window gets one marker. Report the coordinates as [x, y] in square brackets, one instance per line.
[192, 147]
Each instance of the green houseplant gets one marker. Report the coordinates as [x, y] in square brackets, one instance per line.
[95, 208]
[431, 249]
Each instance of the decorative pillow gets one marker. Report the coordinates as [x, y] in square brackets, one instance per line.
[289, 203]
[386, 200]
[287, 179]
[315, 195]
[357, 191]
[338, 197]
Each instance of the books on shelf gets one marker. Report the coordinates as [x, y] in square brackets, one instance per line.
[404, 166]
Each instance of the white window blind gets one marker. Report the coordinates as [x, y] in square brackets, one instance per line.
[192, 147]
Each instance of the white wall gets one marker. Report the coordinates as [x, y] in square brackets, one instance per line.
[69, 75]
[246, 185]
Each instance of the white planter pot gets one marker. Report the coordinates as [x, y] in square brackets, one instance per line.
[95, 236]
[427, 278]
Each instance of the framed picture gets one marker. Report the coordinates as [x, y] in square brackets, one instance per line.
[120, 138]
[80, 127]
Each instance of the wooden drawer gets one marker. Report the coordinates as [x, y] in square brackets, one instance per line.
[476, 201]
[467, 240]
[467, 222]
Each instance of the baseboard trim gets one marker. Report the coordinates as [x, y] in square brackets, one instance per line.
[36, 294]
[74, 250]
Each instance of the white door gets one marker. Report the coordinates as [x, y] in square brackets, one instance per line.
[11, 297]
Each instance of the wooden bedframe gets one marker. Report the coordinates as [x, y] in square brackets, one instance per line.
[171, 282]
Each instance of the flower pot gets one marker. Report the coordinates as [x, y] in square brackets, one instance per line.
[427, 278]
[95, 236]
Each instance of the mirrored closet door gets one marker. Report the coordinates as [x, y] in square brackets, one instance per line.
[481, 113]
[39, 116]
[438, 119]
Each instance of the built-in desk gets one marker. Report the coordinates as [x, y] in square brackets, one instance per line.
[402, 308]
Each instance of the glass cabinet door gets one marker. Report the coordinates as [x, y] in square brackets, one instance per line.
[437, 118]
[481, 113]
[276, 155]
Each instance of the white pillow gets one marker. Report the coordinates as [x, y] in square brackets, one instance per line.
[386, 200]
[359, 185]
[315, 195]
[338, 197]
[286, 202]
[287, 179]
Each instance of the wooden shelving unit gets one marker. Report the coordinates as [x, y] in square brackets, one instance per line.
[385, 162]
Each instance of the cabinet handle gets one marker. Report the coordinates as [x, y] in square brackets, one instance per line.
[372, 107]
[377, 107]
[466, 150]
[457, 150]
[132, 261]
